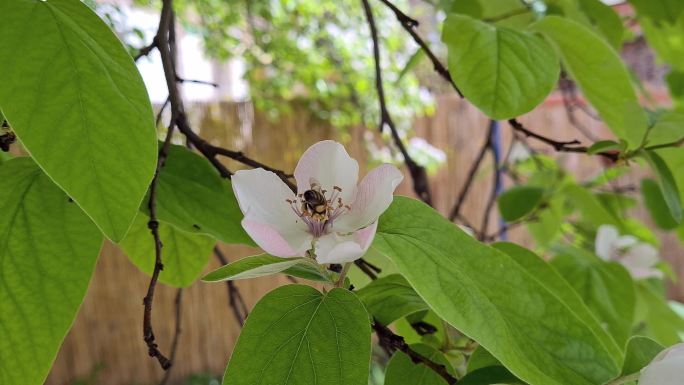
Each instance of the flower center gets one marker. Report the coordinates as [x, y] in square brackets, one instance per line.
[317, 209]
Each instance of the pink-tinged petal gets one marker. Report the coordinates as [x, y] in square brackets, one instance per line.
[330, 164]
[288, 244]
[373, 197]
[335, 248]
[641, 255]
[606, 235]
[263, 196]
[666, 369]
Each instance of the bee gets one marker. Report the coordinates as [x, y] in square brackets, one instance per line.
[314, 199]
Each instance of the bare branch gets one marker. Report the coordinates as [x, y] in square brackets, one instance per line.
[418, 173]
[235, 300]
[176, 335]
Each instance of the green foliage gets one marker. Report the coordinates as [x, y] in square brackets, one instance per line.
[298, 335]
[639, 353]
[402, 370]
[390, 298]
[518, 201]
[192, 196]
[79, 107]
[502, 71]
[605, 287]
[660, 322]
[667, 183]
[657, 207]
[492, 299]
[595, 66]
[489, 375]
[184, 254]
[48, 249]
[265, 264]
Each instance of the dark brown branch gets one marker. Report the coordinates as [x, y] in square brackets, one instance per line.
[144, 51]
[391, 342]
[204, 82]
[418, 173]
[456, 211]
[368, 268]
[410, 25]
[235, 300]
[176, 335]
[560, 146]
[153, 225]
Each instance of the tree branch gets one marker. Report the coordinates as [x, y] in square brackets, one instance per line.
[391, 342]
[418, 173]
[410, 25]
[456, 211]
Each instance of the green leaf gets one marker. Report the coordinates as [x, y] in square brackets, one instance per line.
[79, 106]
[661, 11]
[298, 335]
[504, 72]
[410, 64]
[657, 207]
[661, 322]
[518, 201]
[390, 298]
[606, 20]
[264, 264]
[184, 255]
[554, 282]
[48, 249]
[605, 287]
[590, 207]
[192, 196]
[640, 352]
[401, 370]
[602, 146]
[675, 83]
[489, 297]
[595, 66]
[667, 183]
[489, 375]
[481, 358]
[669, 128]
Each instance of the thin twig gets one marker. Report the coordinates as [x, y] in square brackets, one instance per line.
[456, 211]
[235, 300]
[144, 51]
[410, 25]
[176, 335]
[418, 173]
[560, 146]
[391, 342]
[203, 82]
[153, 225]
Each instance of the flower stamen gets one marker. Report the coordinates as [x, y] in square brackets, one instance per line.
[317, 210]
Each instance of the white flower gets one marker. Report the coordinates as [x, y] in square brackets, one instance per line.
[667, 368]
[637, 257]
[337, 227]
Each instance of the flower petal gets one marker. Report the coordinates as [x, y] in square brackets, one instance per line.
[335, 248]
[289, 244]
[373, 197]
[641, 255]
[262, 196]
[330, 164]
[606, 235]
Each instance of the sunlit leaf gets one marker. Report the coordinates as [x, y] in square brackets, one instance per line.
[390, 298]
[265, 264]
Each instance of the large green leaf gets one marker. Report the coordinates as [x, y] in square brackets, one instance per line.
[661, 322]
[192, 196]
[554, 282]
[502, 71]
[299, 336]
[518, 201]
[48, 249]
[667, 182]
[597, 68]
[655, 202]
[668, 128]
[639, 353]
[264, 264]
[488, 296]
[401, 370]
[605, 287]
[489, 375]
[390, 298]
[77, 102]
[184, 255]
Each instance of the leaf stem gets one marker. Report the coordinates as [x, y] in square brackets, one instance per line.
[343, 274]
